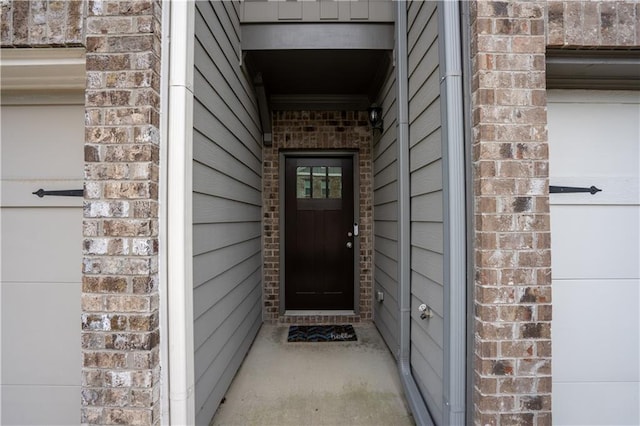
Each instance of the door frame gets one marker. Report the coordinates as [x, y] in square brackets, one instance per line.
[354, 155]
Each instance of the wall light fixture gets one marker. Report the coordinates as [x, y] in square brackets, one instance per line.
[375, 117]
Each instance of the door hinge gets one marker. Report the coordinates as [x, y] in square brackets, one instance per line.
[572, 189]
[60, 193]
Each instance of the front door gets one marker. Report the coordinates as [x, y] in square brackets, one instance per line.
[319, 233]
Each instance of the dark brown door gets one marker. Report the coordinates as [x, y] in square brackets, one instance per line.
[319, 218]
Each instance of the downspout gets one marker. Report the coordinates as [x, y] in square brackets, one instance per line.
[412, 393]
[455, 246]
[466, 92]
[179, 214]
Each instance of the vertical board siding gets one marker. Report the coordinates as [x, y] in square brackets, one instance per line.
[385, 216]
[426, 177]
[227, 206]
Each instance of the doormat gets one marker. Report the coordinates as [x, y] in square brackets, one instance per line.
[322, 333]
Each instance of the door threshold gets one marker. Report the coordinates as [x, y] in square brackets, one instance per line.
[302, 313]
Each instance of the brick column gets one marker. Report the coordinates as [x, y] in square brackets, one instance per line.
[120, 327]
[512, 383]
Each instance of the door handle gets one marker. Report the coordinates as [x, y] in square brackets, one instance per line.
[349, 244]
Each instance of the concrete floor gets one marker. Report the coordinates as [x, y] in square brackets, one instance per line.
[332, 383]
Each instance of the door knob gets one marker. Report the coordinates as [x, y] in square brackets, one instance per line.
[349, 244]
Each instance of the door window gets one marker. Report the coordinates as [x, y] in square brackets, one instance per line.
[318, 182]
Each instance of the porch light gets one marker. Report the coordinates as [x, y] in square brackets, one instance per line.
[375, 117]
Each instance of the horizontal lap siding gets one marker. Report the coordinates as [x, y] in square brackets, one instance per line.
[426, 203]
[227, 248]
[385, 213]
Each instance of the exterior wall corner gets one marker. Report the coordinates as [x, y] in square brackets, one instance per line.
[512, 306]
[120, 297]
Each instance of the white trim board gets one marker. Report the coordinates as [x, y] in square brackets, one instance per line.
[38, 69]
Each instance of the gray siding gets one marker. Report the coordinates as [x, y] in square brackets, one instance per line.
[227, 249]
[317, 11]
[427, 259]
[385, 204]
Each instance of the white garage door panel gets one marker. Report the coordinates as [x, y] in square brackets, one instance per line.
[591, 133]
[45, 405]
[588, 242]
[597, 316]
[20, 193]
[41, 249]
[32, 338]
[42, 145]
[594, 139]
[41, 244]
[615, 190]
[596, 404]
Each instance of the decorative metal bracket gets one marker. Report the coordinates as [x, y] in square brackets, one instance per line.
[571, 189]
[62, 193]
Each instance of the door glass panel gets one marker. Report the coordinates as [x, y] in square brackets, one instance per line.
[335, 182]
[303, 182]
[319, 182]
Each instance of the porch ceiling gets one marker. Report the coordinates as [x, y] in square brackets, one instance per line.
[318, 65]
[319, 79]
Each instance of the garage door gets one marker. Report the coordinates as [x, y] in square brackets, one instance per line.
[594, 139]
[42, 147]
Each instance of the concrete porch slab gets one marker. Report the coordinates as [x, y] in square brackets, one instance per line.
[332, 383]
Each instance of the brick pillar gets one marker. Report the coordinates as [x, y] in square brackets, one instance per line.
[120, 327]
[512, 383]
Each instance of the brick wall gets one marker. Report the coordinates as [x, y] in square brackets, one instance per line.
[41, 23]
[120, 324]
[323, 130]
[601, 24]
[512, 300]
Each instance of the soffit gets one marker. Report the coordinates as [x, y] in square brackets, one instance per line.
[316, 75]
[318, 66]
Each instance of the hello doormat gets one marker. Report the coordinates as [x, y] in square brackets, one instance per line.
[322, 333]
